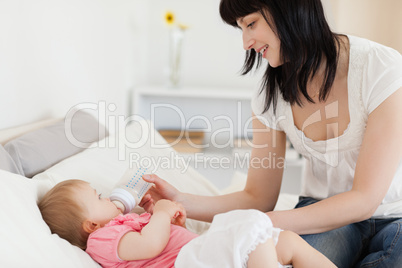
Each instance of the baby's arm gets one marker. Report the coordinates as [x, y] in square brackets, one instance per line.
[292, 249]
[153, 237]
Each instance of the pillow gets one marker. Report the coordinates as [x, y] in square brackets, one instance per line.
[105, 162]
[7, 163]
[26, 240]
[42, 148]
[9, 134]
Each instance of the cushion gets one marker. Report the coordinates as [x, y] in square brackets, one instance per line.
[26, 240]
[7, 163]
[42, 148]
[9, 134]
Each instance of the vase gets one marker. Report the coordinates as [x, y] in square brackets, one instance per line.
[175, 57]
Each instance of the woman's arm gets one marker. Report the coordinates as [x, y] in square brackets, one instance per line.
[153, 237]
[379, 156]
[261, 191]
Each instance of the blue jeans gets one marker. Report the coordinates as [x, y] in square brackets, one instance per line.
[369, 243]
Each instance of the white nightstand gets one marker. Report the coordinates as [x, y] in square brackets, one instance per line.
[224, 114]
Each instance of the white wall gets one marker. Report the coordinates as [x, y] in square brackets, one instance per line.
[55, 54]
[58, 53]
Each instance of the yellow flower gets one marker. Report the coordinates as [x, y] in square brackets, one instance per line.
[169, 18]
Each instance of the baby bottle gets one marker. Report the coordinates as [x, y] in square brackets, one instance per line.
[129, 191]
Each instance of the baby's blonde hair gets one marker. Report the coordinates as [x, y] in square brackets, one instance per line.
[64, 214]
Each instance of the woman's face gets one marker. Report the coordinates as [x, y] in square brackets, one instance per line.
[258, 35]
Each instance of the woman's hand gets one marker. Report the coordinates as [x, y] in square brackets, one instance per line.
[160, 190]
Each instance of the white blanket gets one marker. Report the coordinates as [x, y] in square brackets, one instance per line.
[228, 242]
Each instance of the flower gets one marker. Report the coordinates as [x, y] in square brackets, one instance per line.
[169, 18]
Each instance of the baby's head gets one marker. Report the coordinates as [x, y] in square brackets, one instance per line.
[72, 209]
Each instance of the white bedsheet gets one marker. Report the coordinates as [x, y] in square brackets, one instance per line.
[26, 240]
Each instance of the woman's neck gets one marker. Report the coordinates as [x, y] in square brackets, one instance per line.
[316, 83]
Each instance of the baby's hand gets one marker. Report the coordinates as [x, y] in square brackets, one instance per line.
[180, 217]
[171, 208]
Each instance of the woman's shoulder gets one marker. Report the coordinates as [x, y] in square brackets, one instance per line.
[373, 50]
[376, 60]
[381, 70]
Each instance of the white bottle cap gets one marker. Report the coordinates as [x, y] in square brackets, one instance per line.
[125, 198]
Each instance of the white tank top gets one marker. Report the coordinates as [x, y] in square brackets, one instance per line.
[375, 72]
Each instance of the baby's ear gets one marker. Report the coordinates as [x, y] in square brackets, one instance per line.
[90, 226]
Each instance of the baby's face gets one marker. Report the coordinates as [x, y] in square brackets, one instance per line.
[99, 210]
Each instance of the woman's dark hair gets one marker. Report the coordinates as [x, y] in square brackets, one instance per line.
[306, 40]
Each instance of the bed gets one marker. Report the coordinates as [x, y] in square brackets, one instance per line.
[35, 157]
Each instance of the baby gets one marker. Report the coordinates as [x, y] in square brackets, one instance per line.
[241, 238]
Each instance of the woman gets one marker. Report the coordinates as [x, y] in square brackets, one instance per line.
[338, 99]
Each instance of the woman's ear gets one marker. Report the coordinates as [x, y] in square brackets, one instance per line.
[90, 226]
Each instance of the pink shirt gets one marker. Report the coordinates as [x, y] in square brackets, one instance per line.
[102, 244]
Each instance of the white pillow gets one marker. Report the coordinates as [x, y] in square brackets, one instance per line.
[38, 150]
[26, 240]
[105, 162]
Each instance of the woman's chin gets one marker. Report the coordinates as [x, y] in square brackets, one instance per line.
[274, 64]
